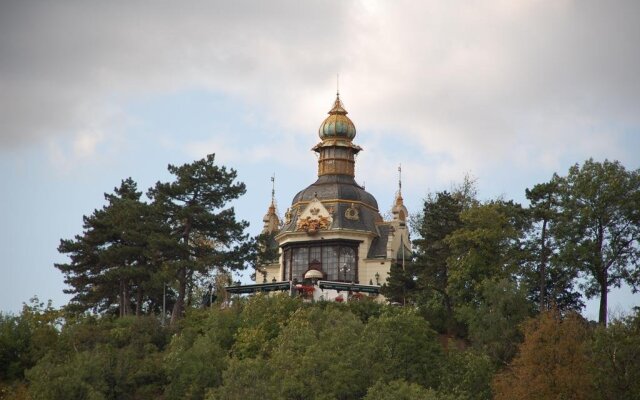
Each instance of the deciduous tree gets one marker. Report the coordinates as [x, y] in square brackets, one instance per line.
[552, 362]
[600, 227]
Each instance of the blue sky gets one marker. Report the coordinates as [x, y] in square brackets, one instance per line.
[510, 92]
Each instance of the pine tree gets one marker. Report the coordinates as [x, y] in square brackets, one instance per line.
[204, 232]
[440, 217]
[549, 279]
[111, 265]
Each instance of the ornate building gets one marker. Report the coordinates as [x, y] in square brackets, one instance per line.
[333, 235]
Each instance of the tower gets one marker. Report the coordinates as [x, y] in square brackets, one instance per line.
[333, 231]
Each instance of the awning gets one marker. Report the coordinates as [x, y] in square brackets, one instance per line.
[259, 287]
[352, 287]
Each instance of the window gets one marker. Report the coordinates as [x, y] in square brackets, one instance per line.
[300, 262]
[330, 262]
[331, 256]
[347, 263]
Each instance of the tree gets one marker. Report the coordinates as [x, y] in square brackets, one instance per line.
[401, 345]
[600, 229]
[467, 374]
[488, 246]
[552, 362]
[102, 358]
[264, 251]
[400, 284]
[494, 319]
[614, 353]
[440, 218]
[25, 338]
[319, 356]
[401, 390]
[111, 263]
[549, 279]
[204, 234]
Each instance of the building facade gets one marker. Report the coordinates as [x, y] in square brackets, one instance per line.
[333, 234]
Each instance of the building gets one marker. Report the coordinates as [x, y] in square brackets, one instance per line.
[333, 237]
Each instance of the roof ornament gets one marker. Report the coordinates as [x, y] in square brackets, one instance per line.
[273, 188]
[400, 180]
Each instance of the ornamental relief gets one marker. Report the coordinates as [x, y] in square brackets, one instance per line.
[313, 218]
[312, 225]
[288, 215]
[352, 212]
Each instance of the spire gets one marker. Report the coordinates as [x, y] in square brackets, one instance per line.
[399, 181]
[398, 210]
[271, 220]
[273, 190]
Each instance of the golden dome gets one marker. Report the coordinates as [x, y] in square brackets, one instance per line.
[337, 124]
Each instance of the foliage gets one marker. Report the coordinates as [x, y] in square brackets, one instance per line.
[111, 263]
[400, 390]
[247, 378]
[25, 338]
[466, 375]
[102, 359]
[600, 226]
[549, 279]
[488, 246]
[552, 363]
[399, 285]
[403, 346]
[204, 235]
[494, 322]
[615, 352]
[261, 322]
[439, 219]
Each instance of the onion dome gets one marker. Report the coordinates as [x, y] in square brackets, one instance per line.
[337, 125]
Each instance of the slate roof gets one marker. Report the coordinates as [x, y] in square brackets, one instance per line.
[378, 247]
[345, 189]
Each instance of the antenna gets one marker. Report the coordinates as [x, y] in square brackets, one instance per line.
[273, 188]
[400, 178]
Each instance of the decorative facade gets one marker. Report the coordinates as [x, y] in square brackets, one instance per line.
[333, 235]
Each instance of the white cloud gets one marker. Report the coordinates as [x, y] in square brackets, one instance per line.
[482, 84]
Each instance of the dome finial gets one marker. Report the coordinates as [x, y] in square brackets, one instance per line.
[338, 86]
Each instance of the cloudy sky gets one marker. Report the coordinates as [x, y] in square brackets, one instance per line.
[94, 92]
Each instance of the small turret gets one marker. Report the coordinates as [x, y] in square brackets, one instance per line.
[271, 219]
[398, 210]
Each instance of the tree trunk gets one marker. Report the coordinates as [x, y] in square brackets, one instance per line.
[125, 296]
[602, 317]
[178, 307]
[604, 278]
[543, 267]
[138, 300]
[449, 308]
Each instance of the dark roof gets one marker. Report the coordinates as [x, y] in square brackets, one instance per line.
[378, 247]
[342, 187]
[344, 190]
